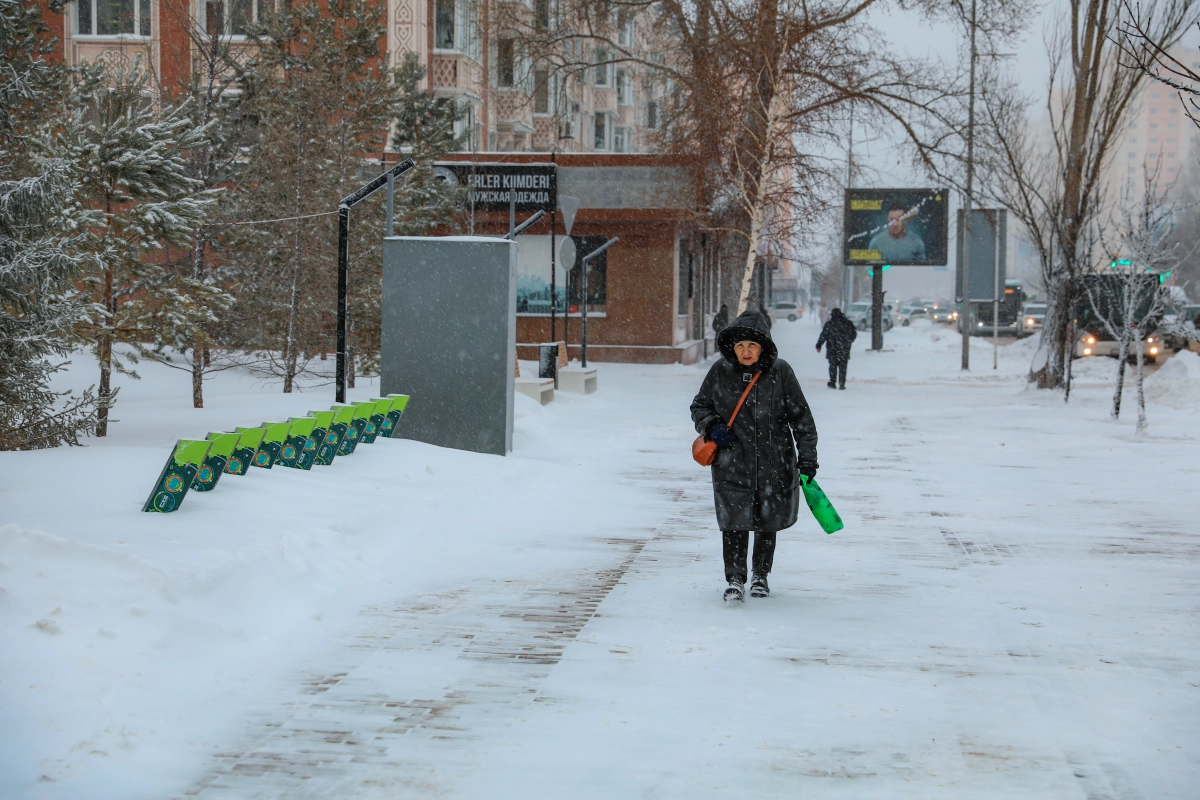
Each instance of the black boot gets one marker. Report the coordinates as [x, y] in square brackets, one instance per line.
[763, 560]
[734, 545]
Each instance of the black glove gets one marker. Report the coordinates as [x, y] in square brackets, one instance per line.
[722, 435]
[808, 472]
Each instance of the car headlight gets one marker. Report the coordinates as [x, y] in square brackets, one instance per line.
[1087, 351]
[980, 324]
[1091, 340]
[1029, 321]
[1153, 351]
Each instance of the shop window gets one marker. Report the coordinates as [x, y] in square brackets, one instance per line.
[541, 91]
[506, 62]
[112, 17]
[597, 295]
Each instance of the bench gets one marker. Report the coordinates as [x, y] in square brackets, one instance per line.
[579, 380]
[540, 389]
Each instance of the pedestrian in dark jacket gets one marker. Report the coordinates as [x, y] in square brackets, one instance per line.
[838, 334]
[721, 319]
[759, 460]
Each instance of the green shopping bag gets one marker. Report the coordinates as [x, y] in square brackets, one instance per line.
[824, 512]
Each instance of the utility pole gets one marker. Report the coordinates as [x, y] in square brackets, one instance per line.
[964, 310]
[847, 271]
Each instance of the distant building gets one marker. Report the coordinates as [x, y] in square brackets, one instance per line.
[514, 101]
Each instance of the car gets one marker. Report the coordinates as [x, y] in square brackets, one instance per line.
[944, 314]
[788, 309]
[908, 313]
[860, 315]
[1090, 345]
[1033, 316]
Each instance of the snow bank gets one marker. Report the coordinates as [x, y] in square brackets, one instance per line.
[1177, 382]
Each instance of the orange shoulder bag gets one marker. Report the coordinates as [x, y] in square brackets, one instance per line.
[704, 451]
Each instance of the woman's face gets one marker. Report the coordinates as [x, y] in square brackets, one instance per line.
[747, 352]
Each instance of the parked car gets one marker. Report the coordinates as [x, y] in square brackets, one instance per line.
[860, 315]
[908, 313]
[944, 314]
[786, 309]
[1033, 316]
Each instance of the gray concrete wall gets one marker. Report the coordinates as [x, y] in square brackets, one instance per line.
[449, 338]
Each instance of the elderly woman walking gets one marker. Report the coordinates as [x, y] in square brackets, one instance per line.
[772, 441]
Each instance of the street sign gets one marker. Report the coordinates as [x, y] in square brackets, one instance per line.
[490, 185]
[989, 254]
[566, 252]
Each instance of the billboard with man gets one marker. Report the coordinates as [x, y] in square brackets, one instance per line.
[900, 227]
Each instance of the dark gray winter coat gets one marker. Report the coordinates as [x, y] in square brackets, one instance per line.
[755, 482]
[838, 334]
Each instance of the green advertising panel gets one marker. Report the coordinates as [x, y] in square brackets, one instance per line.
[326, 438]
[299, 448]
[182, 465]
[272, 442]
[248, 442]
[379, 409]
[343, 423]
[395, 411]
[220, 450]
[362, 421]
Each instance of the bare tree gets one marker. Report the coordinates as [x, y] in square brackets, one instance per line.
[1056, 189]
[1143, 52]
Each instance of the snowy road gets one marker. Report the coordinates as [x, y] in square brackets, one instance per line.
[1011, 611]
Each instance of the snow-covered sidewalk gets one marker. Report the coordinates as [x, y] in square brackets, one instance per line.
[1010, 609]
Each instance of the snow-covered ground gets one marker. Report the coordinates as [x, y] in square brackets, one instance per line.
[1010, 611]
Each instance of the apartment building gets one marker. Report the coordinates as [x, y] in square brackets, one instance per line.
[587, 96]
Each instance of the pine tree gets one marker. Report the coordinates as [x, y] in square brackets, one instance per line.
[39, 257]
[210, 84]
[322, 105]
[128, 154]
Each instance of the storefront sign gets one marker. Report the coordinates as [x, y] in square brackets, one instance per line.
[491, 185]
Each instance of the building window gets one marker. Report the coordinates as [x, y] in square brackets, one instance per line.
[601, 68]
[624, 88]
[624, 28]
[685, 278]
[541, 14]
[541, 91]
[652, 114]
[622, 140]
[112, 17]
[443, 33]
[570, 124]
[230, 17]
[601, 131]
[506, 62]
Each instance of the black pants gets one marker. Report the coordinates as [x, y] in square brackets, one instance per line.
[837, 372]
[735, 544]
